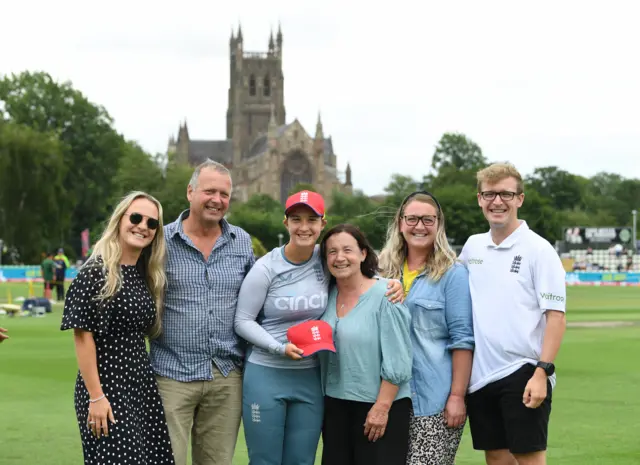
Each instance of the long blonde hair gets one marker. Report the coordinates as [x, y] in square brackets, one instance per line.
[107, 254]
[394, 252]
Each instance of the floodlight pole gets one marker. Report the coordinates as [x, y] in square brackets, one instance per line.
[634, 213]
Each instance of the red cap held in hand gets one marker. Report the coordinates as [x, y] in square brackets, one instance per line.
[312, 336]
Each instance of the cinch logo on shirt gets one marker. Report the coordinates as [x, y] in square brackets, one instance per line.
[302, 302]
[475, 261]
[550, 296]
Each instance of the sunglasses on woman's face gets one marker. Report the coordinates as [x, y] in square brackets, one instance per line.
[136, 218]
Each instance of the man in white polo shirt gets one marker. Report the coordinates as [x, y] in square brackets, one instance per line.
[518, 294]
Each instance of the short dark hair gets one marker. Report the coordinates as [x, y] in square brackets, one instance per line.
[369, 267]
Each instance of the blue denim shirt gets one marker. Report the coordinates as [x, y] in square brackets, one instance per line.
[441, 321]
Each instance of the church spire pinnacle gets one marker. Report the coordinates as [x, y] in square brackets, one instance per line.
[319, 128]
[271, 43]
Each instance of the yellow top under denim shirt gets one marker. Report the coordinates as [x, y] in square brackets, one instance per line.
[373, 343]
[441, 321]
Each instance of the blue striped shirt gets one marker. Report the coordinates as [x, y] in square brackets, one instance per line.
[200, 304]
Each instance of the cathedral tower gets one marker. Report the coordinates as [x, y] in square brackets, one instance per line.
[256, 83]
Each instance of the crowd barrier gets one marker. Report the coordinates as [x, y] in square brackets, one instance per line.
[580, 278]
[26, 273]
[602, 278]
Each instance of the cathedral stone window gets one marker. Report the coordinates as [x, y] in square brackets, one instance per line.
[267, 86]
[252, 85]
[296, 169]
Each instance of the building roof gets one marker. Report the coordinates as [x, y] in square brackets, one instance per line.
[222, 150]
[217, 150]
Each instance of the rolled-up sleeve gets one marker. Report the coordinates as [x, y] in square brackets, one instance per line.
[395, 343]
[458, 311]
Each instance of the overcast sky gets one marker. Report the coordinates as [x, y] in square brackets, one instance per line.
[536, 83]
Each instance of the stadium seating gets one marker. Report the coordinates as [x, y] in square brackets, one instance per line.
[603, 260]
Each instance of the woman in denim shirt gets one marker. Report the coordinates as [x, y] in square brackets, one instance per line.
[437, 295]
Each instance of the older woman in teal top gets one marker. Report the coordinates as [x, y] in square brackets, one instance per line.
[366, 382]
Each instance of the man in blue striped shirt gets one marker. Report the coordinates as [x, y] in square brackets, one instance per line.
[198, 358]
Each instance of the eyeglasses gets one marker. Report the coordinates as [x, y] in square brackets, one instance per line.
[504, 195]
[136, 218]
[427, 220]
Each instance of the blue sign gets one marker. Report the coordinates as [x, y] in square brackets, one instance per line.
[602, 277]
[24, 273]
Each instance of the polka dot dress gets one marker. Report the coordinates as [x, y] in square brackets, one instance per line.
[140, 435]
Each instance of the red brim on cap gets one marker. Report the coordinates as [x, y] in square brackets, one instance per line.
[306, 205]
[313, 348]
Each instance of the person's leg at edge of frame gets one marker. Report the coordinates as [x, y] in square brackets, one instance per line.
[217, 420]
[304, 417]
[337, 443]
[264, 412]
[179, 401]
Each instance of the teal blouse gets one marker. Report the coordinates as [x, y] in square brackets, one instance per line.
[373, 343]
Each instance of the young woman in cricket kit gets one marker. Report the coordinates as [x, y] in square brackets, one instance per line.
[112, 305]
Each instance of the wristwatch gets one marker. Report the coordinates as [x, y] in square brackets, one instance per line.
[548, 367]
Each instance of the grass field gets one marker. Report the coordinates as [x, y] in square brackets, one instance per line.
[596, 407]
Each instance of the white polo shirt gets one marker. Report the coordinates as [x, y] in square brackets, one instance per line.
[512, 285]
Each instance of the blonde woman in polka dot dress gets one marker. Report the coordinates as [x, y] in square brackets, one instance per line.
[113, 303]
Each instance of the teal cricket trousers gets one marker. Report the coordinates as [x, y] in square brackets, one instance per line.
[282, 412]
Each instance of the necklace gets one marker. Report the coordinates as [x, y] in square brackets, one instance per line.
[357, 294]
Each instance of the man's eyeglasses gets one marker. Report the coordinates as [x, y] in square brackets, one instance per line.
[427, 220]
[504, 195]
[136, 218]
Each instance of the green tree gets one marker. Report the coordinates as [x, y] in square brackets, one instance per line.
[91, 147]
[264, 203]
[349, 207]
[611, 197]
[264, 225]
[628, 193]
[462, 213]
[563, 189]
[137, 170]
[358, 209]
[456, 160]
[578, 217]
[258, 249]
[31, 182]
[173, 194]
[398, 188]
[541, 215]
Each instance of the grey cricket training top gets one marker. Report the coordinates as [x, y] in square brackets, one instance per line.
[275, 295]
